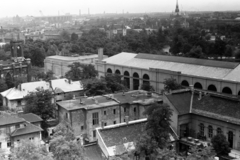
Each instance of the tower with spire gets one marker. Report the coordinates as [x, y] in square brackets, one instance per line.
[177, 9]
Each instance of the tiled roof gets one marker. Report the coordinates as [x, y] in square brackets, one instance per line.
[30, 117]
[30, 128]
[10, 119]
[93, 152]
[185, 66]
[125, 133]
[64, 85]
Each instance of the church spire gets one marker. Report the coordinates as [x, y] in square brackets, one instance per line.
[177, 9]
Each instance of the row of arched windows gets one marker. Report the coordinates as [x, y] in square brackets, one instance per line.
[211, 87]
[218, 131]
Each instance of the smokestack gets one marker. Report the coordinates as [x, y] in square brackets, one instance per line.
[191, 102]
[100, 54]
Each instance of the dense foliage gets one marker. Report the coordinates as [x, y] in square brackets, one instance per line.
[171, 84]
[220, 145]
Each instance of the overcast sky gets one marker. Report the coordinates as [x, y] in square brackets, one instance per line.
[51, 7]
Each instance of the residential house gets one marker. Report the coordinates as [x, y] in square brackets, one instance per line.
[116, 29]
[14, 128]
[198, 116]
[88, 113]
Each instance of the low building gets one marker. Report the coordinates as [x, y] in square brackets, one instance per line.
[116, 29]
[14, 128]
[128, 134]
[86, 114]
[13, 98]
[59, 64]
[201, 116]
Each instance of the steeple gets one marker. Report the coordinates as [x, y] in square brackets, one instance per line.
[177, 9]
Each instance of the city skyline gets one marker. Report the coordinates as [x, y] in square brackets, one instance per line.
[54, 7]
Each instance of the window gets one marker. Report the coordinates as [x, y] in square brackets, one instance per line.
[125, 109]
[31, 138]
[201, 129]
[17, 126]
[124, 120]
[95, 118]
[210, 131]
[114, 122]
[82, 127]
[105, 112]
[66, 115]
[114, 111]
[0, 144]
[18, 102]
[134, 109]
[94, 133]
[219, 130]
[105, 124]
[8, 144]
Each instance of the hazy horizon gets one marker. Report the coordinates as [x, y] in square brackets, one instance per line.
[53, 7]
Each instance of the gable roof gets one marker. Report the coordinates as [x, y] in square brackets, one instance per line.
[30, 117]
[64, 85]
[28, 129]
[7, 119]
[24, 89]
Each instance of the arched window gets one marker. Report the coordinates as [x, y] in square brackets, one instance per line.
[135, 81]
[198, 85]
[185, 83]
[135, 75]
[210, 131]
[201, 129]
[212, 88]
[109, 70]
[227, 90]
[126, 73]
[219, 130]
[230, 139]
[239, 93]
[146, 79]
[117, 72]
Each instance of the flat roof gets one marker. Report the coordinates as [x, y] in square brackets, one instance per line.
[68, 58]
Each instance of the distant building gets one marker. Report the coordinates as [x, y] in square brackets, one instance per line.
[114, 30]
[201, 116]
[59, 64]
[14, 129]
[87, 114]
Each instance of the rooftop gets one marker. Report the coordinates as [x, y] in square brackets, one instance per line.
[138, 97]
[64, 85]
[68, 58]
[93, 152]
[187, 66]
[8, 119]
[29, 128]
[30, 117]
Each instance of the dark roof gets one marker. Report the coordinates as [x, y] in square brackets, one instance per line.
[10, 119]
[195, 61]
[29, 128]
[93, 152]
[30, 117]
[181, 101]
[125, 133]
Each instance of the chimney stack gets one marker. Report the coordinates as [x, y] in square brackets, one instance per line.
[100, 54]
[127, 119]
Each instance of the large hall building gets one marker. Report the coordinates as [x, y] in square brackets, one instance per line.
[211, 75]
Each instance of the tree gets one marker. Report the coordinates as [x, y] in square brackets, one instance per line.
[3, 85]
[64, 35]
[195, 52]
[171, 84]
[27, 150]
[147, 87]
[229, 51]
[64, 144]
[95, 87]
[156, 135]
[80, 71]
[37, 56]
[114, 82]
[220, 145]
[40, 103]
[74, 37]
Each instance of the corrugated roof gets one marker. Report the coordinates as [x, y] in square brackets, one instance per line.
[65, 86]
[30, 117]
[29, 128]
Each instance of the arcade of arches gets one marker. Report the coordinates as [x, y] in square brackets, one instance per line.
[134, 81]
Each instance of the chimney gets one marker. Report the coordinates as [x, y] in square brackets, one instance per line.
[20, 87]
[200, 96]
[127, 119]
[69, 81]
[100, 54]
[192, 94]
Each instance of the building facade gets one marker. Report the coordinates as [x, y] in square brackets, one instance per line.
[86, 114]
[209, 75]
